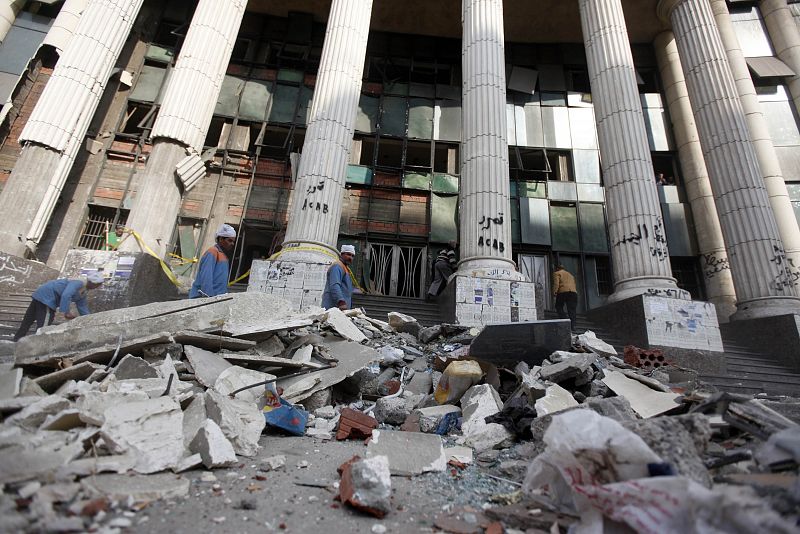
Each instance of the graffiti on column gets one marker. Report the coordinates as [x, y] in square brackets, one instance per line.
[669, 293]
[714, 265]
[485, 224]
[10, 272]
[788, 273]
[658, 241]
[309, 203]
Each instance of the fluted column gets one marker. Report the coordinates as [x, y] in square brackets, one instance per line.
[485, 209]
[785, 37]
[183, 118]
[764, 284]
[317, 199]
[64, 25]
[58, 124]
[639, 254]
[713, 256]
[760, 137]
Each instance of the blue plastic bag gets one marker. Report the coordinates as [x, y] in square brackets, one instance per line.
[287, 417]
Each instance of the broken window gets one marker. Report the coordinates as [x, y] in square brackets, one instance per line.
[396, 270]
[99, 229]
[564, 227]
[593, 228]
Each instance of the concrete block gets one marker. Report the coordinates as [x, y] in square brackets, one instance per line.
[589, 340]
[367, 485]
[137, 488]
[33, 415]
[93, 404]
[207, 365]
[531, 342]
[478, 403]
[555, 400]
[190, 462]
[151, 429]
[133, 367]
[235, 377]
[391, 410]
[194, 416]
[63, 420]
[409, 453]
[426, 335]
[403, 323]
[420, 383]
[571, 367]
[644, 400]
[10, 383]
[212, 446]
[240, 421]
[429, 418]
[343, 325]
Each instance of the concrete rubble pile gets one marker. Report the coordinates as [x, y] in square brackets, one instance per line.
[119, 406]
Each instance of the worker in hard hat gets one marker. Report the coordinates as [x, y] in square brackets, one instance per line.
[55, 297]
[339, 283]
[212, 275]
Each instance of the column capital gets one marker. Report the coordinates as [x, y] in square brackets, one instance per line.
[665, 8]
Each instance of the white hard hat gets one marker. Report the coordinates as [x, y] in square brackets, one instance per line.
[226, 230]
[348, 248]
[95, 278]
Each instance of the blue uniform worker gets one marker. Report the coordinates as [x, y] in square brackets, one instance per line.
[212, 275]
[339, 284]
[57, 295]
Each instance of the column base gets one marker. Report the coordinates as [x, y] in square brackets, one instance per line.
[687, 330]
[497, 269]
[132, 278]
[478, 301]
[650, 286]
[777, 335]
[766, 307]
[300, 283]
[308, 252]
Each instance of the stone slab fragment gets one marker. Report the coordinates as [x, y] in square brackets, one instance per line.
[430, 417]
[644, 401]
[139, 488]
[101, 354]
[367, 485]
[17, 403]
[571, 367]
[134, 367]
[530, 342]
[63, 420]
[260, 330]
[555, 400]
[236, 377]
[257, 359]
[212, 446]
[52, 381]
[20, 464]
[478, 403]
[211, 342]
[34, 414]
[409, 453]
[241, 421]
[343, 325]
[92, 405]
[194, 416]
[116, 463]
[207, 365]
[10, 382]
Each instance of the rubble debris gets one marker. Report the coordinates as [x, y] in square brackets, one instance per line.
[272, 463]
[409, 453]
[343, 325]
[590, 341]
[354, 424]
[555, 399]
[10, 382]
[212, 446]
[647, 358]
[420, 383]
[52, 381]
[207, 365]
[403, 323]
[234, 377]
[644, 401]
[240, 421]
[516, 416]
[393, 410]
[35, 414]
[212, 342]
[366, 485]
[463, 520]
[573, 366]
[426, 335]
[132, 366]
[138, 488]
[478, 403]
[457, 378]
[430, 418]
[194, 417]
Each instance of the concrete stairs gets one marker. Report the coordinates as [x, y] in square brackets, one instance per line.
[378, 306]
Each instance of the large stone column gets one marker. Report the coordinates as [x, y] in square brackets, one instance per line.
[59, 122]
[760, 137]
[785, 37]
[316, 206]
[183, 119]
[485, 208]
[765, 286]
[64, 25]
[639, 254]
[713, 256]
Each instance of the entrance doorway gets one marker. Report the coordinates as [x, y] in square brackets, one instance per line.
[536, 267]
[396, 270]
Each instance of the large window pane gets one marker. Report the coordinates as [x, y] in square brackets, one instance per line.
[256, 101]
[750, 32]
[587, 166]
[555, 121]
[445, 183]
[228, 100]
[393, 119]
[283, 103]
[447, 126]
[367, 115]
[148, 84]
[582, 128]
[593, 228]
[564, 228]
[534, 215]
[420, 118]
[444, 217]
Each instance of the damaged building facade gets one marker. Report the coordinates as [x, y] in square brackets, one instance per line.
[651, 147]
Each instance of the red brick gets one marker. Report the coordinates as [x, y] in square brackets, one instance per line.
[354, 424]
[347, 493]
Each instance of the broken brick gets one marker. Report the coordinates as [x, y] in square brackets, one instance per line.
[644, 357]
[366, 485]
[354, 424]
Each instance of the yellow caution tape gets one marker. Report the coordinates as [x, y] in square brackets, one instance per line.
[245, 275]
[184, 261]
[164, 266]
[311, 248]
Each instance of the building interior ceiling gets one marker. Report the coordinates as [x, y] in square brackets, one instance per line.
[526, 21]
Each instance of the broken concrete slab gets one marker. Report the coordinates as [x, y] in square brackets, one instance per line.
[420, 383]
[589, 340]
[644, 401]
[343, 325]
[137, 488]
[426, 335]
[555, 400]
[212, 342]
[572, 366]
[63, 420]
[257, 359]
[530, 342]
[652, 383]
[462, 455]
[151, 429]
[409, 453]
[429, 418]
[17, 403]
[93, 404]
[240, 421]
[116, 463]
[367, 485]
[194, 416]
[236, 377]
[207, 365]
[134, 367]
[52, 381]
[403, 323]
[261, 330]
[270, 347]
[478, 403]
[153, 387]
[21, 463]
[10, 382]
[190, 462]
[100, 354]
[351, 358]
[212, 446]
[33, 415]
[303, 354]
